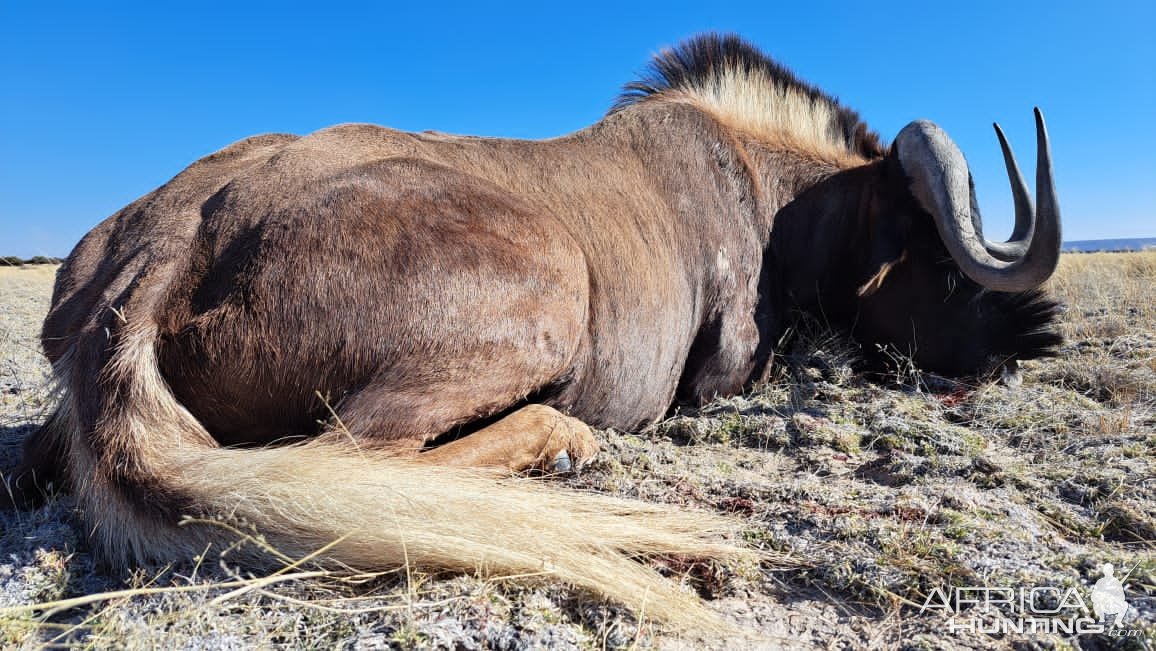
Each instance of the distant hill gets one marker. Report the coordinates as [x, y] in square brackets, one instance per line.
[1121, 244]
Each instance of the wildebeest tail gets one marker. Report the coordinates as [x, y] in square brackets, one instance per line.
[140, 463]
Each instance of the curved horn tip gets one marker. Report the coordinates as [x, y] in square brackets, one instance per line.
[999, 134]
[938, 182]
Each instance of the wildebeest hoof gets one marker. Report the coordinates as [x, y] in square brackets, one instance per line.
[558, 443]
[562, 463]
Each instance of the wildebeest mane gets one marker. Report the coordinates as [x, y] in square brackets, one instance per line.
[733, 80]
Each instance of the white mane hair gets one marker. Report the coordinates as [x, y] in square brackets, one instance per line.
[746, 90]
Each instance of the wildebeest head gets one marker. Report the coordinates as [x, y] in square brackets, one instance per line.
[932, 287]
[885, 243]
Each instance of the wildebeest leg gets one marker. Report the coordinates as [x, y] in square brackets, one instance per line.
[535, 436]
[41, 466]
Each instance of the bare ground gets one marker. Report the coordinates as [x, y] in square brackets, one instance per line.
[882, 492]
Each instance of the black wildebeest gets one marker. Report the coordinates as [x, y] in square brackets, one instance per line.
[279, 333]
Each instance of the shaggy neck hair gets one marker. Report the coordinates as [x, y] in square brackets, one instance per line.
[743, 88]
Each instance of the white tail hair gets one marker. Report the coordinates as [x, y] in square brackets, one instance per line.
[370, 510]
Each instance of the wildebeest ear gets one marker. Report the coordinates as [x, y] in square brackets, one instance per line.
[888, 248]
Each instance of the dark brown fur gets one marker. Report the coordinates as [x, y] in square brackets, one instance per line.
[423, 283]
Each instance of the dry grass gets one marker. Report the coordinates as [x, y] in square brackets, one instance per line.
[880, 494]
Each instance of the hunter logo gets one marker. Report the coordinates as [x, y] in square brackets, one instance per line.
[1040, 609]
[1108, 597]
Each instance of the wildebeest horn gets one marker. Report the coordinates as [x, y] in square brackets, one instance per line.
[941, 182]
[1017, 244]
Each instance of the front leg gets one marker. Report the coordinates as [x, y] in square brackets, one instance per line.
[535, 436]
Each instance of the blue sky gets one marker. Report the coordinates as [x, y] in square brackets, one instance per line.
[102, 102]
